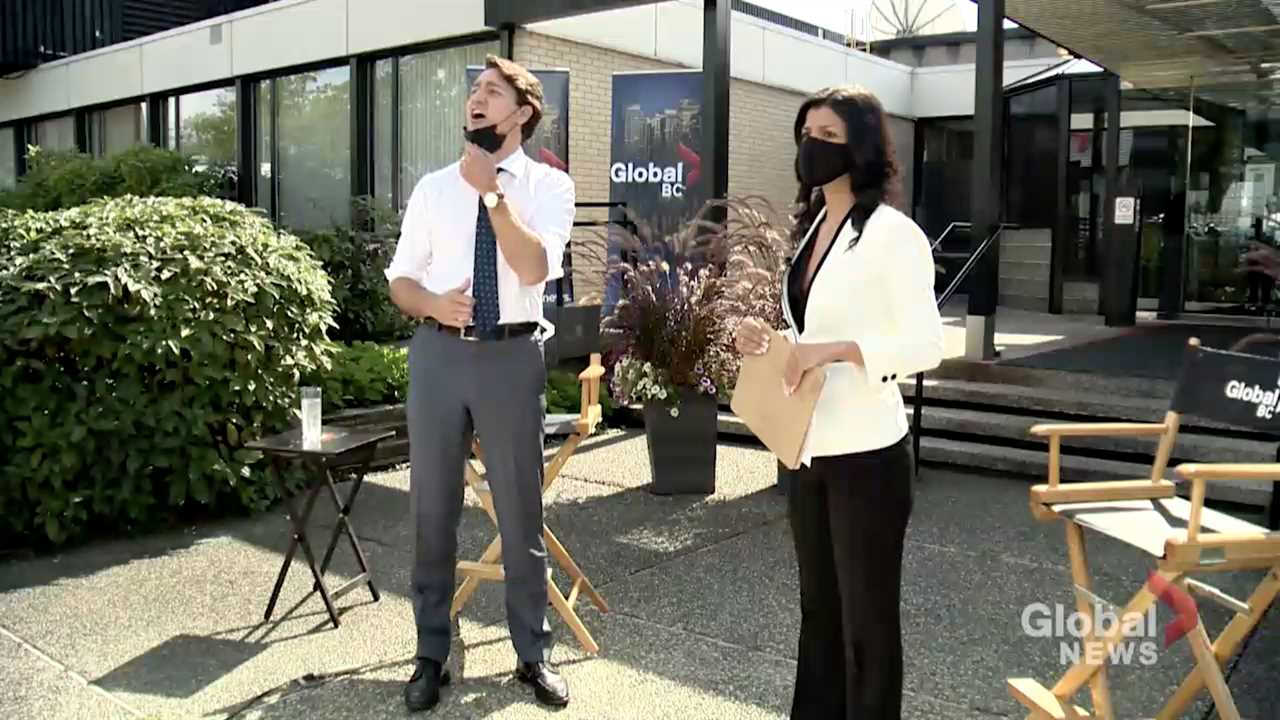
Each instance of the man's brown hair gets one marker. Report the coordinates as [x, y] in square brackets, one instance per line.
[527, 86]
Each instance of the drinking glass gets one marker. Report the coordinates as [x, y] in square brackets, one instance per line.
[311, 417]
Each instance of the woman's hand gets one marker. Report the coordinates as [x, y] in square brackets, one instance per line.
[752, 337]
[803, 358]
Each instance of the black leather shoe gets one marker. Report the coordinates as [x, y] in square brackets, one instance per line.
[423, 690]
[548, 686]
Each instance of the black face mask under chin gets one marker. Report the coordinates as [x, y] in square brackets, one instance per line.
[820, 161]
[487, 138]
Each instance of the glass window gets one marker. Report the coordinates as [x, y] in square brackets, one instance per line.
[203, 126]
[383, 154]
[8, 163]
[57, 133]
[946, 173]
[1031, 181]
[117, 129]
[313, 139]
[265, 138]
[1086, 179]
[433, 96]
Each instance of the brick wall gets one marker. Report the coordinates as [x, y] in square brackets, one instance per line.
[761, 149]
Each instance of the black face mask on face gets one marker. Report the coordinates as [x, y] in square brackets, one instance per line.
[487, 138]
[821, 161]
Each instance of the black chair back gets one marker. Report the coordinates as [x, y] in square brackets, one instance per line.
[1232, 386]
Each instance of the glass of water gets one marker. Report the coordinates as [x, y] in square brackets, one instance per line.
[311, 417]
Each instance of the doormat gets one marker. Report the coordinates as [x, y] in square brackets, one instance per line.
[1148, 352]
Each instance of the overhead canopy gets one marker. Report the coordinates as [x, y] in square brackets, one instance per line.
[500, 13]
[1228, 49]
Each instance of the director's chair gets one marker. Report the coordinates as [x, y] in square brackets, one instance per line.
[1185, 538]
[489, 567]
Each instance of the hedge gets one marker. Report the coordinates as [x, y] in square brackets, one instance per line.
[56, 180]
[365, 374]
[355, 260]
[143, 341]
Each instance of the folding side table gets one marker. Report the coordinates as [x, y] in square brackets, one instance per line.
[341, 455]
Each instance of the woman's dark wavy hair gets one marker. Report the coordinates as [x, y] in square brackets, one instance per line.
[873, 171]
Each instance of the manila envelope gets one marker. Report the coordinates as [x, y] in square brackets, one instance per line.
[779, 420]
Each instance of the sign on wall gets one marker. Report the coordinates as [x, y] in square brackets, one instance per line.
[656, 163]
[549, 145]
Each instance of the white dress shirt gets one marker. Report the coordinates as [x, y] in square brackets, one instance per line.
[879, 294]
[438, 235]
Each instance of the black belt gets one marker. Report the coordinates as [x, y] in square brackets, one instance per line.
[501, 332]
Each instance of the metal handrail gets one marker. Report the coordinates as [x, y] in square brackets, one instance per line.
[943, 299]
[937, 243]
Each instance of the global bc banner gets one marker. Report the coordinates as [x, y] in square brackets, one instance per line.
[656, 163]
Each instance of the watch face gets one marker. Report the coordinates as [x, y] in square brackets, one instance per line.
[491, 200]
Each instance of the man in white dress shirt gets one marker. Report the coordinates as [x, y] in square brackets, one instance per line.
[479, 240]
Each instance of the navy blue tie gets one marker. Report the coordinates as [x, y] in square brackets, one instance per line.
[484, 286]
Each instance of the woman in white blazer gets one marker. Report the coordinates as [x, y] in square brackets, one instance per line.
[860, 303]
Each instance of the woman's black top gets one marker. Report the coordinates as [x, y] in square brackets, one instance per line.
[797, 292]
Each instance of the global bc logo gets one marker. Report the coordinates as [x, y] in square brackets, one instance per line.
[1264, 401]
[672, 178]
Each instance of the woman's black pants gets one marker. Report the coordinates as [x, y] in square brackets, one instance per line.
[849, 517]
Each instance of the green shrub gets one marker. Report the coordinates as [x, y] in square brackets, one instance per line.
[57, 180]
[364, 374]
[143, 341]
[356, 259]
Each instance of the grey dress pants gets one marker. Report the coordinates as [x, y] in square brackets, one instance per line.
[493, 389]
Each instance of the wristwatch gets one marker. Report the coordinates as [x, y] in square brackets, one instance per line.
[491, 199]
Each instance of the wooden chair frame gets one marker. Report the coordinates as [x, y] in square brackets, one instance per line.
[1195, 551]
[489, 565]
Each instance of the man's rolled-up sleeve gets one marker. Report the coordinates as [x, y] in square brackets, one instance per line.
[413, 249]
[552, 221]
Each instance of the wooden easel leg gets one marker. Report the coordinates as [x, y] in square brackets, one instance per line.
[557, 463]
[1224, 647]
[1099, 686]
[469, 585]
[1082, 672]
[572, 570]
[571, 619]
[1209, 670]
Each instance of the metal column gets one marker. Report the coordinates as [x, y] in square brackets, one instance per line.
[1117, 250]
[988, 180]
[246, 143]
[716, 21]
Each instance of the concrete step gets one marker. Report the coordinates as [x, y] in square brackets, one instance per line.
[1074, 383]
[1030, 400]
[1075, 468]
[1032, 464]
[1190, 446]
[1109, 403]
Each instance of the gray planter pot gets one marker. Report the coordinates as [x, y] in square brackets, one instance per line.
[682, 450]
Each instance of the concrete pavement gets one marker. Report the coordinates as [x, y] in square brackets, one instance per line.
[702, 590]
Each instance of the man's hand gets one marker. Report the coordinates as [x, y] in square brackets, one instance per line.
[479, 169]
[454, 307]
[752, 337]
